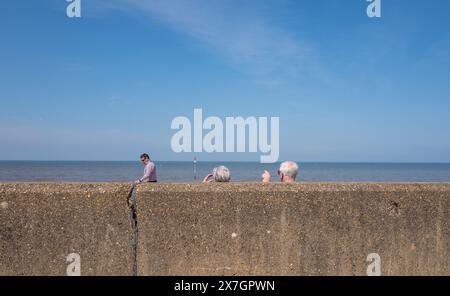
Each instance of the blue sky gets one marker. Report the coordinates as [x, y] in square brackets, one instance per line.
[107, 86]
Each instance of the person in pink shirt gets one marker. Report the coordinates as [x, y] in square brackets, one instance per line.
[149, 170]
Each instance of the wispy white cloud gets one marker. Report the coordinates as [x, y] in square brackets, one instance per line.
[244, 37]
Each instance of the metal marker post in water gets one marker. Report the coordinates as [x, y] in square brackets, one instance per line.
[195, 168]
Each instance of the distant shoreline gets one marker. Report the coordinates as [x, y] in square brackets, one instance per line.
[230, 161]
[185, 172]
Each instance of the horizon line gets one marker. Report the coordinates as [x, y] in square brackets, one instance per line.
[236, 161]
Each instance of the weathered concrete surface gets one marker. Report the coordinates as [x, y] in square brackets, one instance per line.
[278, 229]
[243, 229]
[40, 224]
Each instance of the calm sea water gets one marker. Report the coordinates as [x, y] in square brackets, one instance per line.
[124, 171]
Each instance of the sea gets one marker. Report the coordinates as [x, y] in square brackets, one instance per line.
[182, 172]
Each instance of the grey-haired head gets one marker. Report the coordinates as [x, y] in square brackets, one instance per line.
[288, 171]
[221, 174]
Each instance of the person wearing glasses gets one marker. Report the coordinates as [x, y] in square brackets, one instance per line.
[287, 172]
[149, 170]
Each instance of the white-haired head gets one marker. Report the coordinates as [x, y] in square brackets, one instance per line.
[289, 169]
[221, 174]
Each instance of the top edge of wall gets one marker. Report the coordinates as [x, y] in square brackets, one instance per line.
[223, 187]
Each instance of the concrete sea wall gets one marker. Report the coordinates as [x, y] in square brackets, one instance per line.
[225, 229]
[41, 224]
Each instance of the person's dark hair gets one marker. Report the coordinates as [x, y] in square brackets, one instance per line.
[145, 156]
